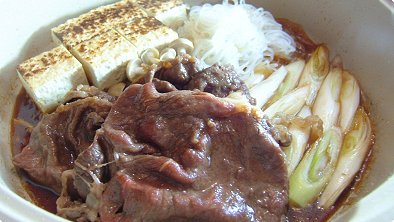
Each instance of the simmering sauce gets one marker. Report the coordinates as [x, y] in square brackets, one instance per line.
[26, 115]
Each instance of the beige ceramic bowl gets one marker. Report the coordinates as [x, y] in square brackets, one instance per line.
[362, 31]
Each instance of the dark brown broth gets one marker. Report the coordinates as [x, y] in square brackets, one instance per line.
[26, 110]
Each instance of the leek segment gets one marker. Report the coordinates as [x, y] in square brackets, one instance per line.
[354, 150]
[314, 72]
[294, 152]
[305, 112]
[349, 100]
[315, 169]
[326, 105]
[289, 104]
[290, 82]
[265, 89]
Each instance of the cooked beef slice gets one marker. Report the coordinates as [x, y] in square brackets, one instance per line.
[178, 71]
[84, 91]
[163, 86]
[89, 163]
[219, 81]
[188, 155]
[183, 72]
[59, 138]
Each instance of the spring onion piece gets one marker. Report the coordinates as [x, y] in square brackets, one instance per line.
[289, 104]
[261, 71]
[294, 71]
[326, 105]
[254, 79]
[349, 100]
[354, 150]
[315, 169]
[305, 112]
[299, 130]
[265, 89]
[314, 72]
[264, 69]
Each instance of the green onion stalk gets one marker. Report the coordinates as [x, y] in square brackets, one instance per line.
[265, 89]
[315, 71]
[315, 169]
[294, 71]
[289, 104]
[349, 100]
[300, 131]
[326, 105]
[355, 148]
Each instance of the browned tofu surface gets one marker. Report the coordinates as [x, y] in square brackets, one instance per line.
[154, 7]
[95, 22]
[146, 32]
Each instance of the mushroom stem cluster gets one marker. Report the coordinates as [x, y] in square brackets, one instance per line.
[138, 67]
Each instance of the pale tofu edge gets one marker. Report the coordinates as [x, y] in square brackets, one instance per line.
[95, 22]
[105, 58]
[48, 88]
[147, 33]
[155, 39]
[154, 7]
[174, 17]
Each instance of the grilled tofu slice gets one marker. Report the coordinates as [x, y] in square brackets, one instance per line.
[146, 32]
[105, 58]
[49, 76]
[94, 22]
[155, 7]
[171, 13]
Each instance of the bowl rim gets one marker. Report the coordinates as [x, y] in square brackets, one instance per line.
[11, 204]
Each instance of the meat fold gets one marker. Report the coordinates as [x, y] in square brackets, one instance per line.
[185, 73]
[59, 138]
[185, 155]
[85, 91]
[219, 81]
[178, 71]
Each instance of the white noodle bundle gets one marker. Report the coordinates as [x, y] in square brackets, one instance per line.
[240, 35]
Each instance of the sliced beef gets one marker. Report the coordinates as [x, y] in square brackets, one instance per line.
[219, 81]
[178, 71]
[89, 163]
[85, 91]
[163, 86]
[59, 138]
[184, 73]
[187, 155]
